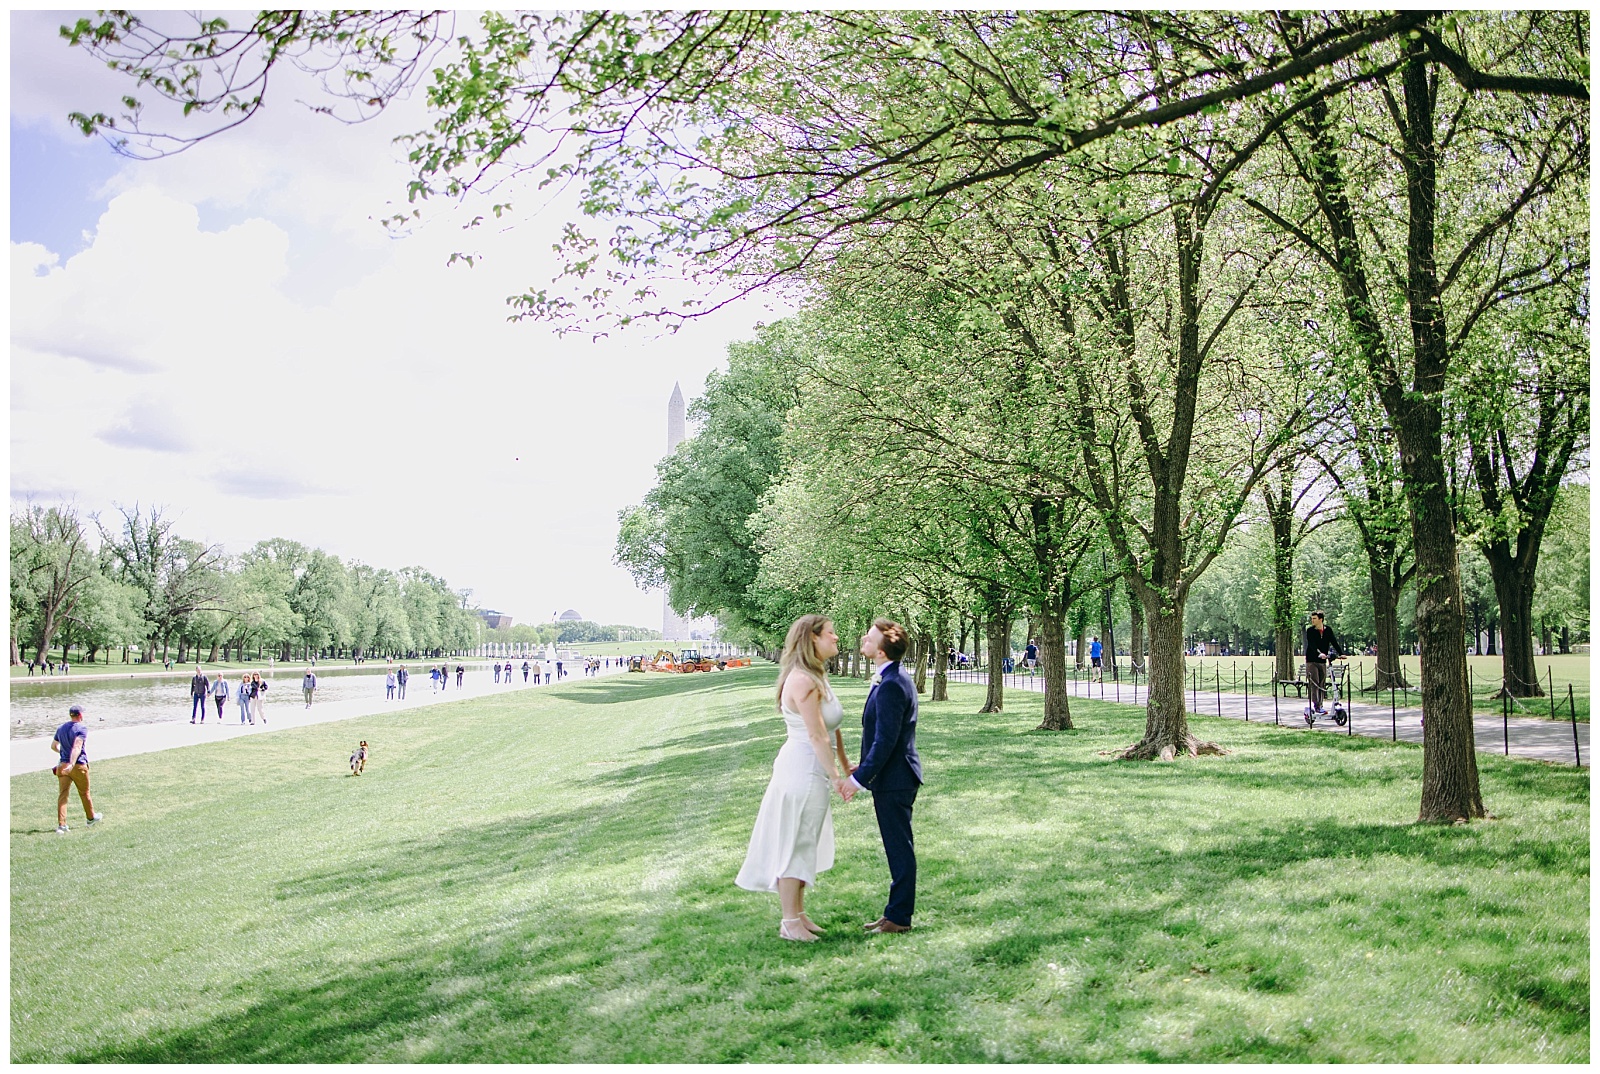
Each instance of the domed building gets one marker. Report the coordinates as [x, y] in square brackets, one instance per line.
[569, 616]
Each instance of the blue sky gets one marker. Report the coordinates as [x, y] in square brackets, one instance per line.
[55, 186]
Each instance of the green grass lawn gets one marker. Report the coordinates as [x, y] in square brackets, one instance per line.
[548, 876]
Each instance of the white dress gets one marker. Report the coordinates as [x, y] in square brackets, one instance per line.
[793, 836]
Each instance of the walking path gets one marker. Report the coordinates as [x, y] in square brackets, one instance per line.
[38, 754]
[1539, 739]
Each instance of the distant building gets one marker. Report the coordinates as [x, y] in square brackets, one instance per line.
[569, 616]
[495, 620]
[675, 627]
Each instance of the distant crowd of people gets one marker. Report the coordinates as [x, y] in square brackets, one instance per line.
[209, 695]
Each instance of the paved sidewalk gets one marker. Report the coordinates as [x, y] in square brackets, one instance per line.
[1538, 739]
[38, 754]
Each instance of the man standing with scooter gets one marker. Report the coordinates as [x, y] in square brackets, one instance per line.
[1321, 646]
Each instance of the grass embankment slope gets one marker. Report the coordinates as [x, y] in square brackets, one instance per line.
[548, 877]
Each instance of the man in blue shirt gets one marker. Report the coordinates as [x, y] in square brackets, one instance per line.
[71, 743]
[1095, 651]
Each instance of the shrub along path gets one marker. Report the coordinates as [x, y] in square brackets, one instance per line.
[547, 876]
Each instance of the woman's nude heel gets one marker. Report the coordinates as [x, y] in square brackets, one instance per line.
[798, 933]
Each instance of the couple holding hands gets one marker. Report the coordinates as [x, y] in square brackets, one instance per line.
[793, 837]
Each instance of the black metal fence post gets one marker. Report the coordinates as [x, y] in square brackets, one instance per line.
[1275, 702]
[1219, 689]
[1572, 707]
[1505, 718]
[1394, 726]
[1550, 673]
[1246, 695]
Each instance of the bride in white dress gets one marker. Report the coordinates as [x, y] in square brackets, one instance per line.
[793, 837]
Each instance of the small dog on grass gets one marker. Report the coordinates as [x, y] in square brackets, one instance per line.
[358, 759]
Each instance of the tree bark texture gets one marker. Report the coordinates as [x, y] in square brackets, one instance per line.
[1166, 725]
[1281, 511]
[1386, 623]
[1450, 789]
[920, 646]
[941, 660]
[1513, 588]
[1135, 632]
[999, 644]
[1052, 641]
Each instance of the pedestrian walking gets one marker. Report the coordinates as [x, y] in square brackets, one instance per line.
[461, 673]
[72, 770]
[388, 686]
[219, 694]
[433, 679]
[259, 686]
[400, 678]
[1095, 652]
[308, 685]
[247, 699]
[545, 664]
[526, 667]
[509, 671]
[199, 690]
[497, 672]
[560, 674]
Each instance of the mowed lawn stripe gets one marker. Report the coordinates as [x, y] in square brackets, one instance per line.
[547, 876]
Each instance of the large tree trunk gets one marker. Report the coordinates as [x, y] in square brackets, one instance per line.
[1052, 641]
[1386, 622]
[213, 657]
[920, 646]
[1080, 648]
[16, 651]
[1450, 789]
[1166, 726]
[941, 661]
[999, 646]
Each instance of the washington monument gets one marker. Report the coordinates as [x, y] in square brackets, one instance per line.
[675, 627]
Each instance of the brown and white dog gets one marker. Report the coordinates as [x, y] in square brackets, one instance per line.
[358, 759]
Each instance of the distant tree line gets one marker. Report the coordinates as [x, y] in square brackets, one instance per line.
[570, 632]
[136, 582]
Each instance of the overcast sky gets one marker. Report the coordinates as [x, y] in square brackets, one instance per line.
[230, 334]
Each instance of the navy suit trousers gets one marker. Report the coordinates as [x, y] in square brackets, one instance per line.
[894, 825]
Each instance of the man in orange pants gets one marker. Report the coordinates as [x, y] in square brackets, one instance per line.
[72, 741]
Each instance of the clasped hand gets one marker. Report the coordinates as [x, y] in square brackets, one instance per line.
[846, 789]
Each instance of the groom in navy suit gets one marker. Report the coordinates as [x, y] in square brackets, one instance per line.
[890, 768]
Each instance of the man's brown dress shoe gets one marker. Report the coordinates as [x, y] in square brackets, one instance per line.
[885, 925]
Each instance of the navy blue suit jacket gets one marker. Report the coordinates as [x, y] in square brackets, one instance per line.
[889, 758]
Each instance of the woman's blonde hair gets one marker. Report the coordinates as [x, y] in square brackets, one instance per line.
[800, 651]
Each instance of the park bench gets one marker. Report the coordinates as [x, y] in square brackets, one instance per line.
[1281, 686]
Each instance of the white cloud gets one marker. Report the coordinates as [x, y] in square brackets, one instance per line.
[326, 382]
